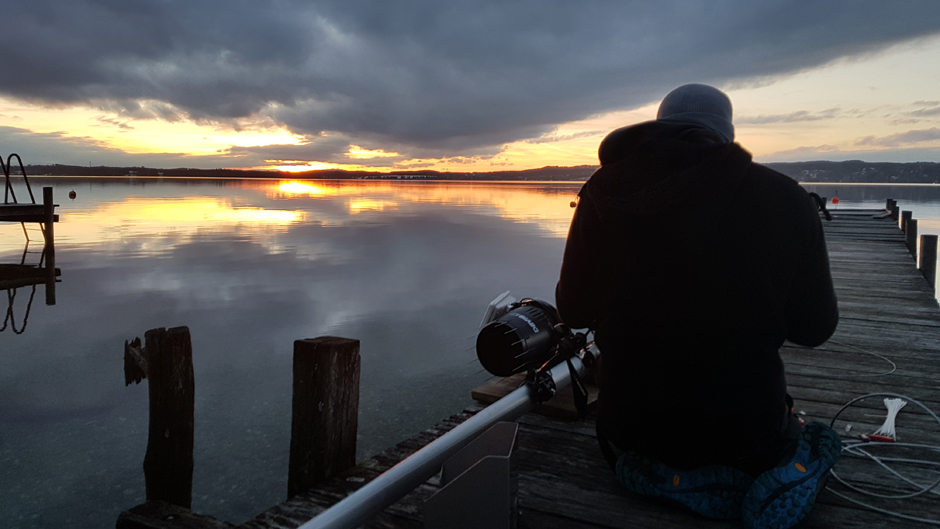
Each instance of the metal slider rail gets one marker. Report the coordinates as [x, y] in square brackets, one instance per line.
[360, 506]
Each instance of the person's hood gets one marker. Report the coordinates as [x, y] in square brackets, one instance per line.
[648, 166]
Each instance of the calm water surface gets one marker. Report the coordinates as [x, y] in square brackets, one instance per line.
[249, 266]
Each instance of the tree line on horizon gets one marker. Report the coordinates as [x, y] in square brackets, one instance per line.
[851, 171]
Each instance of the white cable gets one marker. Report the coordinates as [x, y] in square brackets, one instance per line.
[855, 449]
[894, 367]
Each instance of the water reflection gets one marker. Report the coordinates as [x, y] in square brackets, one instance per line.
[251, 266]
[545, 205]
[17, 278]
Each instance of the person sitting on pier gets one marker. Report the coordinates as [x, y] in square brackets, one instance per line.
[693, 265]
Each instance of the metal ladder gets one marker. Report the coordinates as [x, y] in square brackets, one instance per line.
[9, 195]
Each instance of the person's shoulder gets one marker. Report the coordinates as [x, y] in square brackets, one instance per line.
[780, 193]
[620, 142]
[776, 180]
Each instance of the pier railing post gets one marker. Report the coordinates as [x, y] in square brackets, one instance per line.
[910, 236]
[325, 410]
[905, 218]
[895, 209]
[167, 362]
[928, 259]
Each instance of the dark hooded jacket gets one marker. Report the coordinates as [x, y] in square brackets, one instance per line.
[693, 264]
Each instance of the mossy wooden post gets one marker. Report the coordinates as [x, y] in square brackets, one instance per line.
[910, 237]
[928, 259]
[168, 465]
[325, 410]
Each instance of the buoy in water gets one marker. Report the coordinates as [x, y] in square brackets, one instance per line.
[835, 200]
[72, 195]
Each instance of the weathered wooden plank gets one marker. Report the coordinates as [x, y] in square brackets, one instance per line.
[163, 515]
[561, 406]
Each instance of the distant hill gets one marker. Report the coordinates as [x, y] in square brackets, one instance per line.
[545, 173]
[852, 171]
[857, 171]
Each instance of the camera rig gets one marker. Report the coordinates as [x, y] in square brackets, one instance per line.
[529, 336]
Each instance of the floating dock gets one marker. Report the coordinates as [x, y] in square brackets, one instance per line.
[888, 341]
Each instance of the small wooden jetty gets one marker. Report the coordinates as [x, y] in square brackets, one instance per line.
[13, 210]
[888, 341]
[14, 276]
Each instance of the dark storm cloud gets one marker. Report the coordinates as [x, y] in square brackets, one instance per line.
[431, 76]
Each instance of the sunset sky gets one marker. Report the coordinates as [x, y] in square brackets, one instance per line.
[470, 85]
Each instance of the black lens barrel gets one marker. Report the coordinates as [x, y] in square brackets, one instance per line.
[519, 340]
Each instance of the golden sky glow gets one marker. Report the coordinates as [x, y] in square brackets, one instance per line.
[830, 108]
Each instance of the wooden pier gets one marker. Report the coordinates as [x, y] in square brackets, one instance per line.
[25, 212]
[888, 341]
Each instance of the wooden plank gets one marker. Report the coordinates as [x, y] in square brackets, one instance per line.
[561, 406]
[163, 515]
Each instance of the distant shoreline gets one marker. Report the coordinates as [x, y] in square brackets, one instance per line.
[852, 171]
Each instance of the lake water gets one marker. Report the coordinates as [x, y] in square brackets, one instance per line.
[250, 266]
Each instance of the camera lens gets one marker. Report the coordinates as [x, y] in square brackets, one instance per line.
[519, 340]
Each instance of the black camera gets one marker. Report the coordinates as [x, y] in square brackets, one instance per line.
[525, 336]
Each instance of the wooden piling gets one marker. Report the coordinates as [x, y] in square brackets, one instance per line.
[48, 210]
[895, 210]
[910, 237]
[928, 259]
[325, 410]
[905, 218]
[168, 464]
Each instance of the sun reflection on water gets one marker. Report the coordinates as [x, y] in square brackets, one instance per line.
[259, 208]
[546, 205]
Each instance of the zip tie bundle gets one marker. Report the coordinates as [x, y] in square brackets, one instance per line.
[894, 406]
[863, 449]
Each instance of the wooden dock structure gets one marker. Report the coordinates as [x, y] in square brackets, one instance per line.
[27, 212]
[888, 341]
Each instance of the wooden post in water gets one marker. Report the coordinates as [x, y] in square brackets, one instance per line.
[168, 464]
[48, 213]
[928, 259]
[325, 410]
[890, 203]
[910, 236]
[895, 209]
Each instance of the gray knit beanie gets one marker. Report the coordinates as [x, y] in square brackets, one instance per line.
[700, 104]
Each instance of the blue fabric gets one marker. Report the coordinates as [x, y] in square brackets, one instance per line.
[782, 497]
[714, 491]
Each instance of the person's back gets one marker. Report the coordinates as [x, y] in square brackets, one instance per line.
[694, 265]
